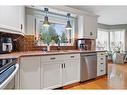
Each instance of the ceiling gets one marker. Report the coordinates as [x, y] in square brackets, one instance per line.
[110, 15]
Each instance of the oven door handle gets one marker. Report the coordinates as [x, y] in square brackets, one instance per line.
[10, 77]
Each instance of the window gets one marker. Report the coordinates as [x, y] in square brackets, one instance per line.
[56, 33]
[112, 39]
[117, 38]
[102, 41]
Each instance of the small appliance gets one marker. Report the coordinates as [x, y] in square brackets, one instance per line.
[81, 44]
[6, 45]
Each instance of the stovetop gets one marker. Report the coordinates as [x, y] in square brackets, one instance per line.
[6, 61]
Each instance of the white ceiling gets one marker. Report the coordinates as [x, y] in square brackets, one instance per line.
[110, 15]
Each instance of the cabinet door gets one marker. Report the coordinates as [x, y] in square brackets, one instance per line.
[87, 27]
[10, 17]
[22, 18]
[90, 27]
[30, 72]
[51, 73]
[71, 72]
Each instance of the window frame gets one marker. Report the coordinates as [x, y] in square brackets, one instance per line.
[59, 21]
[109, 36]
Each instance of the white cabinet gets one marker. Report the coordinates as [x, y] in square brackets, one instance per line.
[87, 27]
[59, 70]
[71, 72]
[101, 63]
[51, 75]
[12, 19]
[30, 72]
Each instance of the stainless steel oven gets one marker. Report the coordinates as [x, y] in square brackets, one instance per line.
[8, 70]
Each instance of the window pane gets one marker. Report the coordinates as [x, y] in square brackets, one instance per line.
[54, 34]
[117, 40]
[102, 41]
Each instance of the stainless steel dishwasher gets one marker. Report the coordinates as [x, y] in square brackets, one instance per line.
[88, 66]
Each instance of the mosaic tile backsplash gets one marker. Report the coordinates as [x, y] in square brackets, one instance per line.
[27, 43]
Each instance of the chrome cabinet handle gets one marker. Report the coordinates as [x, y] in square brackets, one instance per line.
[102, 54]
[101, 70]
[64, 65]
[53, 58]
[91, 33]
[72, 56]
[102, 63]
[101, 58]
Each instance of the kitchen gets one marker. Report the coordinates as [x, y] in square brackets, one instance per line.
[52, 47]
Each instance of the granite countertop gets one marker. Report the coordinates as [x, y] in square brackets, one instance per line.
[42, 53]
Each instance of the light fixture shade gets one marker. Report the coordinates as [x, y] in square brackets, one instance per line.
[46, 22]
[68, 27]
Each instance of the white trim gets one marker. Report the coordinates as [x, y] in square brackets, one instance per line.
[6, 29]
[72, 10]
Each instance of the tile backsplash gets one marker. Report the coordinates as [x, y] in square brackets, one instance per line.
[26, 43]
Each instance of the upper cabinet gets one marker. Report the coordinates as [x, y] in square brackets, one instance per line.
[12, 19]
[87, 27]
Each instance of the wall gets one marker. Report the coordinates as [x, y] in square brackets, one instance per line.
[31, 29]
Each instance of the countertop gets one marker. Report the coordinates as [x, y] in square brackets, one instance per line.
[42, 53]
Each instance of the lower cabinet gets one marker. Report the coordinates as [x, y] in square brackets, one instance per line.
[101, 63]
[51, 75]
[58, 73]
[30, 72]
[49, 72]
[71, 72]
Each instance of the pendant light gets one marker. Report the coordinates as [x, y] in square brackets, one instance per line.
[68, 27]
[46, 22]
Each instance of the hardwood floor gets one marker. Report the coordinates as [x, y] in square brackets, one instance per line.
[116, 79]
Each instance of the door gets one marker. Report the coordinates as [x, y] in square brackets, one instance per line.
[51, 75]
[30, 72]
[71, 72]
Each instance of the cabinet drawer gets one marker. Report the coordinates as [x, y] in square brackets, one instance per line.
[101, 72]
[72, 56]
[51, 58]
[101, 59]
[101, 66]
[101, 54]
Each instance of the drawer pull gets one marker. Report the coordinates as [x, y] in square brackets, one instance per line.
[102, 63]
[72, 56]
[101, 70]
[102, 54]
[101, 58]
[62, 65]
[53, 58]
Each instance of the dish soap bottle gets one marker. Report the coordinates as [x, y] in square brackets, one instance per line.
[48, 47]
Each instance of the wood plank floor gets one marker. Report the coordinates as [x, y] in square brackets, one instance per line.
[116, 79]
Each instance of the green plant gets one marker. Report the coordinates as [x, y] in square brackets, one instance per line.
[63, 38]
